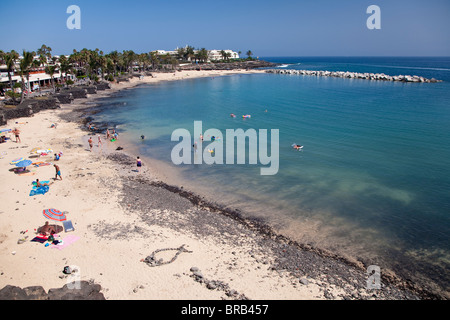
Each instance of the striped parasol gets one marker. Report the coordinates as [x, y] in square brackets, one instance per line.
[34, 150]
[54, 214]
[24, 163]
[17, 160]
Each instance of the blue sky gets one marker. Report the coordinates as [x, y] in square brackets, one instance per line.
[268, 28]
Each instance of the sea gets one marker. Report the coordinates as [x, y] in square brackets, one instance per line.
[372, 181]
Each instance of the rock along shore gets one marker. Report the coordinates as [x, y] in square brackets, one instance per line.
[354, 75]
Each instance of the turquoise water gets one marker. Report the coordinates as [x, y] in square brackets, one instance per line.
[373, 178]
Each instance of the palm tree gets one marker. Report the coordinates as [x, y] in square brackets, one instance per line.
[189, 52]
[154, 58]
[181, 53]
[51, 70]
[174, 62]
[203, 55]
[65, 65]
[10, 60]
[45, 51]
[24, 66]
[114, 56]
[129, 57]
[249, 54]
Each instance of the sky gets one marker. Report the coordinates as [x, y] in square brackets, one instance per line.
[267, 28]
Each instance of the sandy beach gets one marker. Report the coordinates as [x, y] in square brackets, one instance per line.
[121, 217]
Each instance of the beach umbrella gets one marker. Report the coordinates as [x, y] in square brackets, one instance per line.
[34, 150]
[54, 214]
[17, 160]
[24, 163]
[45, 151]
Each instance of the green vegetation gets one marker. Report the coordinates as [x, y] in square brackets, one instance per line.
[95, 64]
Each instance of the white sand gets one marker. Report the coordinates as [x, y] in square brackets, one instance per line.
[86, 193]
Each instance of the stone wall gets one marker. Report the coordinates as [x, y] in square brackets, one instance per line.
[27, 108]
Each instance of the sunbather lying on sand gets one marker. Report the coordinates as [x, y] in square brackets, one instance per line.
[47, 229]
[38, 184]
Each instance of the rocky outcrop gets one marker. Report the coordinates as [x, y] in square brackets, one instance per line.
[27, 108]
[85, 291]
[77, 92]
[64, 98]
[103, 85]
[90, 89]
[353, 75]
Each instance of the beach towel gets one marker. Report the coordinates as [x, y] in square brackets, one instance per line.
[26, 174]
[39, 238]
[40, 190]
[41, 164]
[67, 241]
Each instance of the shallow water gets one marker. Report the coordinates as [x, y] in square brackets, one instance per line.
[372, 180]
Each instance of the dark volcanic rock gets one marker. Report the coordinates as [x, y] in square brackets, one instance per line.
[86, 291]
[28, 107]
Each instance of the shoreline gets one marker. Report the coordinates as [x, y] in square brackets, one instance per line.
[162, 209]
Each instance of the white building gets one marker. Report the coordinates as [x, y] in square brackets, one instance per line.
[37, 76]
[212, 54]
[217, 55]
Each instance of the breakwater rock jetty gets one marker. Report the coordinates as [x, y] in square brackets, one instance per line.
[353, 75]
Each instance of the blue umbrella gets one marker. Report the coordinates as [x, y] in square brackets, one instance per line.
[24, 163]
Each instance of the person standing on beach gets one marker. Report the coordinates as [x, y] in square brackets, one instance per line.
[108, 135]
[16, 133]
[115, 134]
[58, 172]
[90, 143]
[138, 164]
[99, 141]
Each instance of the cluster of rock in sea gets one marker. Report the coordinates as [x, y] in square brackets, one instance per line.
[353, 75]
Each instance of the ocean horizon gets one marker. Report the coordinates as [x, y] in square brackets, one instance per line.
[372, 180]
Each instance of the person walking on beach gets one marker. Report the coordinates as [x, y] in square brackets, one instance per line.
[58, 172]
[99, 141]
[138, 164]
[90, 144]
[16, 133]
